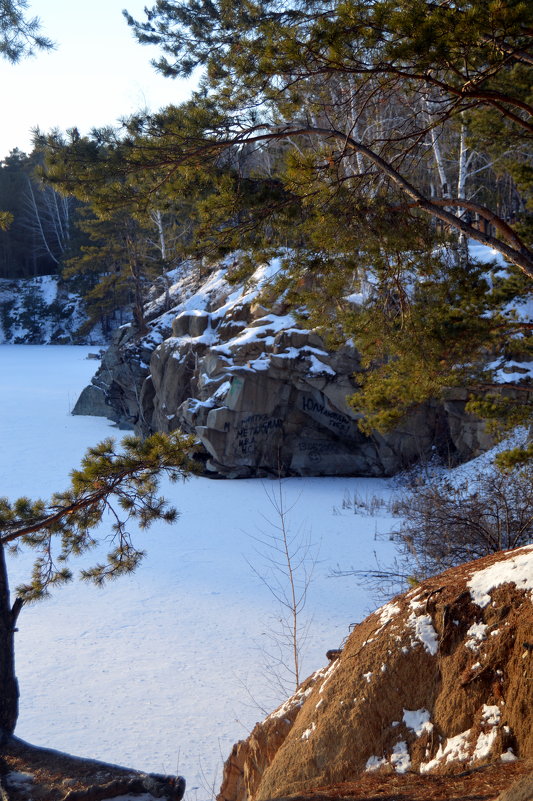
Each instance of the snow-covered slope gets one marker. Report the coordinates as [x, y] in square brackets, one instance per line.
[41, 310]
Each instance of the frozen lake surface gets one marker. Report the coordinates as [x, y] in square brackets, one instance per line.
[165, 669]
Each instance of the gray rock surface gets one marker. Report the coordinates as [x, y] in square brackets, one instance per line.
[92, 401]
[263, 395]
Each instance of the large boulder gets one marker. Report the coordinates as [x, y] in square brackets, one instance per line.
[263, 394]
[438, 681]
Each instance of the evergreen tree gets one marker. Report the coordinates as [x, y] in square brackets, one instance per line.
[110, 269]
[16, 259]
[20, 35]
[117, 258]
[339, 130]
[326, 70]
[113, 487]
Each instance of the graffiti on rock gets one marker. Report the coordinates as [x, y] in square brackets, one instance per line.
[319, 410]
[318, 449]
[256, 428]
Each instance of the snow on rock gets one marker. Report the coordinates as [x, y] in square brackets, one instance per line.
[512, 372]
[463, 748]
[418, 720]
[294, 702]
[400, 759]
[424, 632]
[454, 749]
[286, 409]
[476, 634]
[326, 674]
[491, 715]
[387, 613]
[308, 732]
[484, 744]
[374, 763]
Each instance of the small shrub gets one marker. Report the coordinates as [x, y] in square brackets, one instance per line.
[445, 524]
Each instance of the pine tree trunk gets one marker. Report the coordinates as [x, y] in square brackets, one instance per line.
[9, 692]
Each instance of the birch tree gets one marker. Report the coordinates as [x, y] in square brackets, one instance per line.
[48, 219]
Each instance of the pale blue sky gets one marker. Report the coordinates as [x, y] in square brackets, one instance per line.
[97, 74]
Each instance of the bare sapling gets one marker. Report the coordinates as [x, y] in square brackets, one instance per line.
[285, 566]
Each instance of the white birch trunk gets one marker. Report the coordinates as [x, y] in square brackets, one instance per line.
[157, 219]
[463, 167]
[437, 153]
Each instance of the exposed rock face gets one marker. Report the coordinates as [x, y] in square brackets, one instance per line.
[115, 391]
[32, 772]
[440, 680]
[263, 394]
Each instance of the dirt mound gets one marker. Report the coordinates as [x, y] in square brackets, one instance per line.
[436, 682]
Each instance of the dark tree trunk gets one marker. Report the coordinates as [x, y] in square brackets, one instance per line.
[9, 691]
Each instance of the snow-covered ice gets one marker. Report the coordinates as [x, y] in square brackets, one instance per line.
[164, 670]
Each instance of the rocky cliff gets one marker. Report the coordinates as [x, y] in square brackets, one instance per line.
[263, 394]
[438, 681]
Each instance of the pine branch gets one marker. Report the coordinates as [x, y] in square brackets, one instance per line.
[124, 484]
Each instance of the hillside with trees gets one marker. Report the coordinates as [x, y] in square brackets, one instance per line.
[362, 143]
[104, 266]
